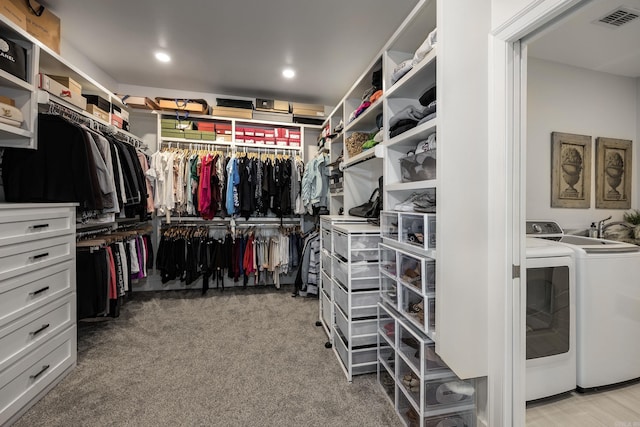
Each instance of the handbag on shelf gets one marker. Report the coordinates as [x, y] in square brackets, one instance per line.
[370, 208]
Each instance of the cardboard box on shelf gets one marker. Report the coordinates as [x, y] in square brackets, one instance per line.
[283, 142]
[281, 132]
[62, 92]
[294, 134]
[223, 138]
[269, 133]
[208, 136]
[259, 140]
[45, 27]
[239, 132]
[273, 116]
[98, 112]
[272, 105]
[270, 141]
[307, 113]
[172, 133]
[240, 138]
[206, 126]
[193, 105]
[293, 143]
[116, 121]
[140, 102]
[259, 133]
[15, 15]
[238, 113]
[223, 128]
[176, 124]
[193, 134]
[68, 82]
[249, 140]
[249, 132]
[99, 101]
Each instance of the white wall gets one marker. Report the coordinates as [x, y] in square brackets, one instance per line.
[80, 61]
[568, 99]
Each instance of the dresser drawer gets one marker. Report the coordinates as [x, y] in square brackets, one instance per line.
[21, 382]
[25, 334]
[21, 225]
[31, 291]
[21, 258]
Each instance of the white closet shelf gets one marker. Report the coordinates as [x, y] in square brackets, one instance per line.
[337, 194]
[414, 135]
[11, 81]
[367, 119]
[364, 156]
[416, 81]
[414, 185]
[229, 144]
[8, 132]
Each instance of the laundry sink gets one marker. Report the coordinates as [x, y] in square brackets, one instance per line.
[593, 245]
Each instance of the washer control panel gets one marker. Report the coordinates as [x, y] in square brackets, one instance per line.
[543, 228]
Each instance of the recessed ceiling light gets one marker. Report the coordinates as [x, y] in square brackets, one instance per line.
[288, 73]
[163, 57]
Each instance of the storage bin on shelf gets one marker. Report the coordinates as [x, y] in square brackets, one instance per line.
[419, 309]
[388, 290]
[414, 230]
[427, 390]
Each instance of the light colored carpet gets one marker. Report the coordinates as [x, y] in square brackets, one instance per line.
[238, 358]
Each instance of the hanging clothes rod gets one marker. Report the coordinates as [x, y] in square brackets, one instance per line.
[76, 117]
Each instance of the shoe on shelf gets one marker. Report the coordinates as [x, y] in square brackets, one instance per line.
[407, 205]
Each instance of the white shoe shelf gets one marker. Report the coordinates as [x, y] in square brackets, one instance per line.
[420, 386]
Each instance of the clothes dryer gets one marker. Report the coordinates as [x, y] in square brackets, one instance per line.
[550, 319]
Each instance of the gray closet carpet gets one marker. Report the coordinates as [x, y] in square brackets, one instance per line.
[237, 358]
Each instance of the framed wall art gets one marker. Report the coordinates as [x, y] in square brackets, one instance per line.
[570, 170]
[613, 173]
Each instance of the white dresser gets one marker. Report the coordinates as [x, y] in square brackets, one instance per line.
[38, 338]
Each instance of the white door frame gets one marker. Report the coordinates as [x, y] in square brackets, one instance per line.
[507, 197]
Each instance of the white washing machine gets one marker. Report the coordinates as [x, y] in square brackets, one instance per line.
[608, 308]
[550, 319]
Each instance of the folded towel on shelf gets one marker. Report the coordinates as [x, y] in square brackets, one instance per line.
[425, 47]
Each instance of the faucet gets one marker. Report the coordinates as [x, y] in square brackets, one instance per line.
[601, 227]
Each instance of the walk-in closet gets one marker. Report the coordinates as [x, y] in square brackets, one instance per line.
[340, 213]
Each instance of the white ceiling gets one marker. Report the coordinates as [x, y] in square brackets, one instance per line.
[234, 47]
[577, 41]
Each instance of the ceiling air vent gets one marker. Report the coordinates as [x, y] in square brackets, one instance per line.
[619, 17]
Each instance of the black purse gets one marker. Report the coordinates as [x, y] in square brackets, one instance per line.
[372, 207]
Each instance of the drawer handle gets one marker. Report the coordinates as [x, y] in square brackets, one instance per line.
[37, 257]
[39, 291]
[37, 331]
[42, 371]
[39, 226]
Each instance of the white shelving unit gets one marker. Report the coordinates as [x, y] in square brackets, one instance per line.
[454, 311]
[27, 95]
[355, 293]
[326, 306]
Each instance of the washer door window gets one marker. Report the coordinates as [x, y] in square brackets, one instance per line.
[548, 311]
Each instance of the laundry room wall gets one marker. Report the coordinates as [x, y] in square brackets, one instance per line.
[564, 98]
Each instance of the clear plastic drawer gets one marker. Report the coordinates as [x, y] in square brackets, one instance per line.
[388, 290]
[418, 230]
[410, 381]
[326, 240]
[449, 392]
[389, 225]
[387, 381]
[419, 310]
[364, 247]
[388, 259]
[458, 418]
[386, 325]
[326, 262]
[362, 275]
[363, 303]
[419, 273]
[415, 350]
